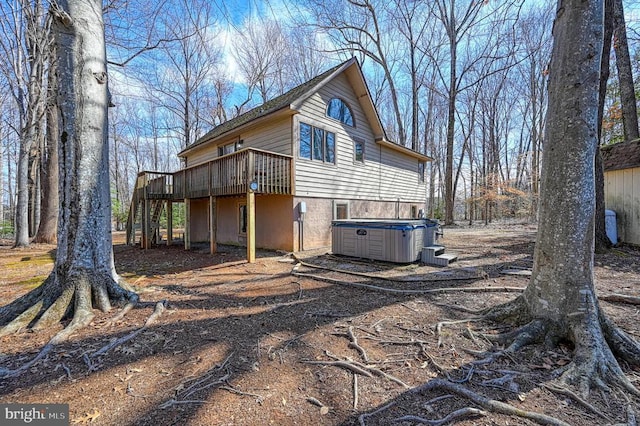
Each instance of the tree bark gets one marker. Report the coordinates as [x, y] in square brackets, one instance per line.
[49, 172]
[85, 253]
[84, 275]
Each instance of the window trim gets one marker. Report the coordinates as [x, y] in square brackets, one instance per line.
[422, 169]
[336, 204]
[325, 137]
[236, 147]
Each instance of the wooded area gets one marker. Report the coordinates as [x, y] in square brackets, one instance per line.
[67, 81]
[463, 82]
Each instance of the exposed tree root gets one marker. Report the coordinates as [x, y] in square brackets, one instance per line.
[595, 340]
[488, 404]
[458, 414]
[49, 303]
[480, 275]
[5, 372]
[564, 391]
[594, 365]
[159, 309]
[359, 368]
[402, 291]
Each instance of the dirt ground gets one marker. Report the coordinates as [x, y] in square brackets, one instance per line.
[276, 343]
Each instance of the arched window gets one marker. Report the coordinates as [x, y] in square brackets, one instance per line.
[339, 110]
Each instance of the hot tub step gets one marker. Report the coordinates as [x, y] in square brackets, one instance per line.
[429, 253]
[445, 259]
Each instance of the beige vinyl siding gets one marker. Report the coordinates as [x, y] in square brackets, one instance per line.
[274, 137]
[622, 195]
[385, 174]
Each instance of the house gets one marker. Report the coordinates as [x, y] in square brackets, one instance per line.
[622, 187]
[277, 175]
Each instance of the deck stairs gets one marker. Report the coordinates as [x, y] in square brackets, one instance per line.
[136, 221]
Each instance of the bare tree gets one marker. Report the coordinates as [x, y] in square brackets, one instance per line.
[414, 27]
[25, 46]
[534, 33]
[185, 65]
[362, 27]
[260, 52]
[48, 224]
[459, 23]
[3, 130]
[84, 275]
[625, 74]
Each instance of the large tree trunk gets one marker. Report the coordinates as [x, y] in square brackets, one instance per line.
[84, 272]
[560, 301]
[22, 191]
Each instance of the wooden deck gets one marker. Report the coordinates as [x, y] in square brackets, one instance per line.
[227, 175]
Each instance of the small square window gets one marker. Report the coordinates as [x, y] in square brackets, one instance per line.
[340, 210]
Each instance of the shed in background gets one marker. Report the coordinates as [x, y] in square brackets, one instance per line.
[622, 187]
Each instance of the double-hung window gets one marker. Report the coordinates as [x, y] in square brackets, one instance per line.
[317, 144]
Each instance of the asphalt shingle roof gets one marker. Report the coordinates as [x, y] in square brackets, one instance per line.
[625, 155]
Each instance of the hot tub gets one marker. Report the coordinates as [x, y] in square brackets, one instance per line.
[391, 240]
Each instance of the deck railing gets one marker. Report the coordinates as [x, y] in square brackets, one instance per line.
[227, 175]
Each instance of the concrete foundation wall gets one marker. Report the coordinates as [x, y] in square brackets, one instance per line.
[315, 230]
[274, 215]
[279, 224]
[199, 221]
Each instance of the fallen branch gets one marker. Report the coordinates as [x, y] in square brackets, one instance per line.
[355, 391]
[621, 298]
[354, 344]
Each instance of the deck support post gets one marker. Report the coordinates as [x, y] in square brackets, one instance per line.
[169, 222]
[251, 226]
[146, 223]
[187, 224]
[213, 224]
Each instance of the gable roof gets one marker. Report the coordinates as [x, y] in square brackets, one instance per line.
[624, 155]
[269, 107]
[292, 100]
